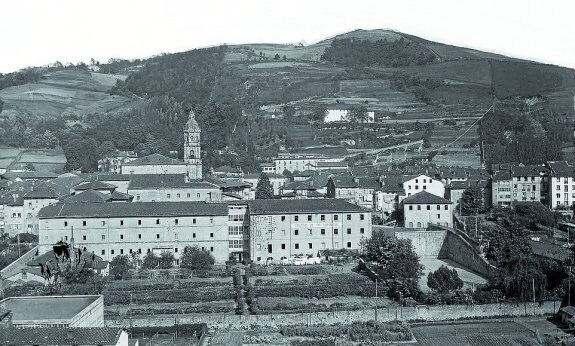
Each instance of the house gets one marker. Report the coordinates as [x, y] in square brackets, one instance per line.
[227, 172]
[299, 190]
[413, 184]
[113, 163]
[268, 167]
[501, 188]
[26, 274]
[154, 164]
[519, 184]
[41, 196]
[561, 184]
[332, 167]
[356, 190]
[424, 208]
[387, 197]
[233, 188]
[276, 180]
[96, 185]
[303, 175]
[455, 190]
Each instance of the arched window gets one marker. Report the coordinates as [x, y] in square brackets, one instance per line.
[192, 155]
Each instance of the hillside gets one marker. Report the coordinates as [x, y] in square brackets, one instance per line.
[250, 99]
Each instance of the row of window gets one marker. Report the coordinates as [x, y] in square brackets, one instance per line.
[421, 225]
[438, 207]
[416, 187]
[189, 195]
[566, 196]
[297, 247]
[322, 217]
[238, 230]
[103, 236]
[139, 251]
[565, 187]
[139, 221]
[269, 234]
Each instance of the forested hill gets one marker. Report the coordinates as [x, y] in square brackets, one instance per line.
[248, 98]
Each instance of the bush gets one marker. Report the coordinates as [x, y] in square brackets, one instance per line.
[444, 280]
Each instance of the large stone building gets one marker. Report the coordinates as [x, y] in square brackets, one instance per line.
[520, 184]
[243, 230]
[424, 208]
[561, 184]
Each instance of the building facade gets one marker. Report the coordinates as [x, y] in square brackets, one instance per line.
[424, 208]
[561, 184]
[417, 183]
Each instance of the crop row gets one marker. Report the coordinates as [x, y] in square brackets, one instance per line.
[357, 331]
[158, 286]
[366, 289]
[169, 296]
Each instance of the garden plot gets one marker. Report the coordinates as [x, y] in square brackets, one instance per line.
[151, 297]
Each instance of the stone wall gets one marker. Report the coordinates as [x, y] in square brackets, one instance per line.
[426, 243]
[417, 313]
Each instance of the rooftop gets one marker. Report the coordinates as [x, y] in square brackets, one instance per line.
[425, 197]
[94, 185]
[561, 169]
[154, 159]
[286, 206]
[143, 209]
[60, 336]
[528, 171]
[41, 192]
[166, 181]
[88, 196]
[46, 308]
[323, 164]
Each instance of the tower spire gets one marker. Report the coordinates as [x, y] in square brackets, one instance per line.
[192, 148]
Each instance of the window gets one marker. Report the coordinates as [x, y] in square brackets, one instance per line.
[270, 248]
[198, 195]
[335, 231]
[336, 217]
[310, 245]
[322, 217]
[121, 222]
[417, 187]
[336, 245]
[83, 237]
[323, 231]
[139, 250]
[348, 244]
[168, 196]
[418, 207]
[348, 217]
[176, 249]
[439, 216]
[361, 230]
[139, 222]
[157, 236]
[259, 247]
[121, 251]
[178, 195]
[157, 221]
[139, 236]
[112, 251]
[283, 246]
[194, 221]
[66, 238]
[283, 218]
[65, 223]
[211, 235]
[121, 236]
[103, 237]
[296, 245]
[349, 231]
[361, 216]
[296, 232]
[283, 232]
[175, 235]
[409, 187]
[410, 207]
[193, 235]
[189, 195]
[323, 245]
[211, 249]
[309, 217]
[103, 252]
[428, 207]
[176, 221]
[446, 207]
[84, 223]
[295, 218]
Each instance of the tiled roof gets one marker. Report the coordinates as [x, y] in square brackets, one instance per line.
[323, 164]
[115, 177]
[306, 173]
[561, 169]
[143, 209]
[60, 336]
[318, 181]
[227, 183]
[227, 169]
[30, 175]
[41, 192]
[501, 175]
[94, 185]
[267, 164]
[154, 159]
[528, 171]
[258, 175]
[287, 206]
[368, 182]
[120, 196]
[166, 181]
[63, 183]
[88, 196]
[425, 197]
[297, 185]
[392, 183]
[344, 182]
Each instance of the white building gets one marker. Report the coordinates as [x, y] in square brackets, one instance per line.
[561, 184]
[424, 208]
[418, 183]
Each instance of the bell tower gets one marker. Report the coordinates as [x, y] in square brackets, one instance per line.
[192, 156]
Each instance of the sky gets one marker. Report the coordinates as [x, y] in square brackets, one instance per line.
[38, 32]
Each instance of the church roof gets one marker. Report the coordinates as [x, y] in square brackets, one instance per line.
[192, 124]
[154, 159]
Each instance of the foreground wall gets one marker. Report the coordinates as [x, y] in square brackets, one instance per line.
[427, 313]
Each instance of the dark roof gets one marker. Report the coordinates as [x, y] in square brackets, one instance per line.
[94, 185]
[306, 173]
[154, 159]
[528, 171]
[88, 196]
[368, 182]
[392, 183]
[30, 175]
[227, 169]
[298, 185]
[63, 183]
[166, 181]
[324, 164]
[41, 192]
[226, 183]
[325, 150]
[60, 336]
[287, 206]
[425, 197]
[120, 196]
[318, 181]
[115, 177]
[142, 209]
[49, 257]
[501, 175]
[561, 169]
[258, 175]
[344, 182]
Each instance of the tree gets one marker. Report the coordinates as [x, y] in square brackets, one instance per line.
[471, 200]
[106, 149]
[357, 114]
[287, 173]
[395, 256]
[506, 243]
[318, 115]
[166, 260]
[444, 280]
[150, 261]
[119, 267]
[277, 57]
[264, 189]
[194, 258]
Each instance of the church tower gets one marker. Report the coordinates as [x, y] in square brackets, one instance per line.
[192, 156]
